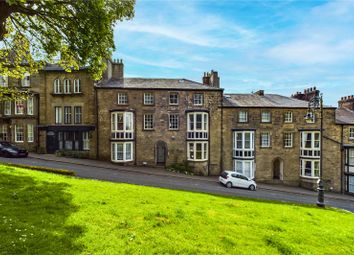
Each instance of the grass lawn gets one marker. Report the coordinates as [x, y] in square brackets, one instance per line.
[43, 213]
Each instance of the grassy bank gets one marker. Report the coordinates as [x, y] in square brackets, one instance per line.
[42, 213]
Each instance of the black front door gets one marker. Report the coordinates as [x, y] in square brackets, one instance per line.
[52, 144]
[161, 153]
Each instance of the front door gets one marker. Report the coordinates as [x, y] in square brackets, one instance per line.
[161, 152]
[52, 145]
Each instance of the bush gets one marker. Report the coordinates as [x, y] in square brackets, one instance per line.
[72, 154]
[42, 169]
[184, 168]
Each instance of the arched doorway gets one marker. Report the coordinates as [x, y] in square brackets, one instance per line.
[278, 169]
[161, 153]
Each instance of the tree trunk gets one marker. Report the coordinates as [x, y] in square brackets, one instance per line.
[5, 11]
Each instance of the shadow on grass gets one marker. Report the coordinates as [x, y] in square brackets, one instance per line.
[33, 217]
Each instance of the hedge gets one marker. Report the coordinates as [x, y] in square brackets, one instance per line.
[43, 169]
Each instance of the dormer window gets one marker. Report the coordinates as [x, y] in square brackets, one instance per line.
[57, 89]
[26, 82]
[67, 89]
[77, 86]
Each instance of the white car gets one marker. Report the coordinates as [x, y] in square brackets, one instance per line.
[232, 179]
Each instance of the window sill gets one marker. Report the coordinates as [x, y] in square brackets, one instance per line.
[309, 177]
[122, 161]
[198, 160]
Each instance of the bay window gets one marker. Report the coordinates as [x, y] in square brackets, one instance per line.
[243, 152]
[197, 125]
[310, 152]
[197, 151]
[122, 125]
[122, 151]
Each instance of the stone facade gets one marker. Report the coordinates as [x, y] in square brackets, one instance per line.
[160, 122]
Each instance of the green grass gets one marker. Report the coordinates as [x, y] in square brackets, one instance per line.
[43, 213]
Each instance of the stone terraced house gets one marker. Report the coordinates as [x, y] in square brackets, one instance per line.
[158, 122]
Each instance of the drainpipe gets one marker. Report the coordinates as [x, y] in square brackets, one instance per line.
[342, 151]
[97, 126]
[38, 116]
[221, 134]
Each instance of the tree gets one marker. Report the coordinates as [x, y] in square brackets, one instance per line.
[72, 33]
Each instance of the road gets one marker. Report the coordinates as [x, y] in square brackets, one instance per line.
[183, 182]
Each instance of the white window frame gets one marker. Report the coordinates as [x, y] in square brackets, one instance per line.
[67, 86]
[26, 81]
[265, 143]
[77, 86]
[149, 98]
[114, 152]
[266, 117]
[122, 98]
[193, 131]
[86, 141]
[30, 106]
[58, 113]
[172, 102]
[288, 139]
[242, 169]
[192, 151]
[7, 107]
[313, 162]
[19, 133]
[243, 117]
[349, 161]
[149, 121]
[198, 99]
[4, 81]
[17, 107]
[288, 117]
[314, 151]
[127, 130]
[56, 87]
[351, 133]
[243, 148]
[173, 122]
[30, 133]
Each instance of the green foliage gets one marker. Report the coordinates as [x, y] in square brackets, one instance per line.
[79, 32]
[42, 213]
[184, 168]
[72, 154]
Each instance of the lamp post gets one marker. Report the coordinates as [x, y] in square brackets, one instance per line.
[316, 103]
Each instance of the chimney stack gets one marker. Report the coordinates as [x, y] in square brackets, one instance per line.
[211, 79]
[307, 95]
[346, 102]
[115, 69]
[259, 92]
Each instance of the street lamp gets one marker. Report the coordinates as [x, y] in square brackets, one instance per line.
[315, 104]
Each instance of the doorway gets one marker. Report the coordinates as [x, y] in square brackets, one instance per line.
[278, 169]
[161, 153]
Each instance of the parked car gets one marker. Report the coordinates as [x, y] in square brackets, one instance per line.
[232, 179]
[9, 150]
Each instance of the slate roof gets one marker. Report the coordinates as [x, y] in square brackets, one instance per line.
[154, 83]
[344, 116]
[267, 100]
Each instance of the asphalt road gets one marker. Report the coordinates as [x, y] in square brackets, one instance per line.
[182, 182]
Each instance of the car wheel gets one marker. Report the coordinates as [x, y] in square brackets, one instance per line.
[228, 185]
[252, 187]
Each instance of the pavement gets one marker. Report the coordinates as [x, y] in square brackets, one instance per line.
[159, 177]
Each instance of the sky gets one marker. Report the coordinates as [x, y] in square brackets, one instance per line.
[278, 46]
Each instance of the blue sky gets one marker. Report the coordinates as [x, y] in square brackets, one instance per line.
[279, 46]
